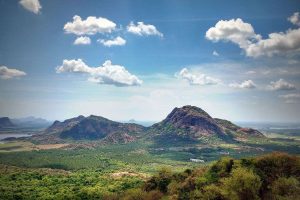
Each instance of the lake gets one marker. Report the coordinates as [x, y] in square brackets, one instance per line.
[16, 135]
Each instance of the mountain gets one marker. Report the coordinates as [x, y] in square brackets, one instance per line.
[5, 122]
[185, 125]
[236, 130]
[190, 122]
[95, 128]
[31, 122]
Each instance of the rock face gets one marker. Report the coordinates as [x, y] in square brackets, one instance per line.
[228, 126]
[250, 132]
[188, 121]
[225, 124]
[5, 122]
[193, 122]
[58, 126]
[95, 128]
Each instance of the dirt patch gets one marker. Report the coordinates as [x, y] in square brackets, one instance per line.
[241, 139]
[49, 146]
[123, 174]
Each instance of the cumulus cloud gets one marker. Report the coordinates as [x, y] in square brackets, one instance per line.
[243, 34]
[248, 84]
[196, 78]
[276, 44]
[82, 40]
[234, 30]
[31, 5]
[8, 73]
[215, 53]
[143, 29]
[106, 74]
[90, 26]
[295, 19]
[291, 98]
[118, 41]
[281, 85]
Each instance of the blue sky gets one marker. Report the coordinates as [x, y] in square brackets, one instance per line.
[215, 55]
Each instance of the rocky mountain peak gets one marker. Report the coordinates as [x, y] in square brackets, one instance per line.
[189, 119]
[188, 116]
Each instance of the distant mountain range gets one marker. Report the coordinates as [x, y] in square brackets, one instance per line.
[31, 122]
[26, 122]
[143, 123]
[188, 123]
[5, 122]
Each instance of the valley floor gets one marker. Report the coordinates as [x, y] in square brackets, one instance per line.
[59, 171]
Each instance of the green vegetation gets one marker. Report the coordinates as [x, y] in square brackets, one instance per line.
[133, 156]
[271, 176]
[18, 183]
[16, 146]
[141, 169]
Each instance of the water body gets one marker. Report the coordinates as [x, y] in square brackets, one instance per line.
[15, 135]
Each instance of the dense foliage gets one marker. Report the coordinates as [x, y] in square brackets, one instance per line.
[271, 176]
[20, 183]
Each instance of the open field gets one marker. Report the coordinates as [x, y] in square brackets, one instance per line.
[141, 156]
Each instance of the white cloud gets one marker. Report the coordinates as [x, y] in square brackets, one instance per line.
[291, 98]
[7, 73]
[251, 72]
[106, 74]
[276, 44]
[143, 29]
[196, 78]
[281, 85]
[82, 40]
[295, 19]
[73, 66]
[31, 5]
[90, 26]
[118, 41]
[243, 34]
[248, 84]
[234, 30]
[215, 53]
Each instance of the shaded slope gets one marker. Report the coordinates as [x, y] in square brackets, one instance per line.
[95, 128]
[5, 122]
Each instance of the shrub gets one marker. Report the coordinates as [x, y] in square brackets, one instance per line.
[285, 188]
[242, 184]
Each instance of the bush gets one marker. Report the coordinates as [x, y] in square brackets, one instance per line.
[220, 169]
[242, 184]
[160, 181]
[285, 188]
[270, 167]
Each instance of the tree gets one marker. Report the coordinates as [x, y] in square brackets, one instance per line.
[220, 169]
[243, 184]
[285, 188]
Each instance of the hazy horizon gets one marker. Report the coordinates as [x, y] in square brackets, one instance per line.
[155, 121]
